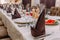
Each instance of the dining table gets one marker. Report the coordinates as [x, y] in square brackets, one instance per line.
[54, 29]
[24, 33]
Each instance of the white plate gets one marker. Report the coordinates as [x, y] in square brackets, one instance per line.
[23, 20]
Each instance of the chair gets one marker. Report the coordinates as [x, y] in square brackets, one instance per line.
[53, 11]
[58, 12]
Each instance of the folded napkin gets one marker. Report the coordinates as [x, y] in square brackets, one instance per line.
[16, 14]
[9, 10]
[1, 7]
[40, 26]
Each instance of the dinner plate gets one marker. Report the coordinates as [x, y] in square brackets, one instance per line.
[52, 23]
[23, 20]
[56, 23]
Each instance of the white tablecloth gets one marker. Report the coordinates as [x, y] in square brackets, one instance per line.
[26, 33]
[55, 29]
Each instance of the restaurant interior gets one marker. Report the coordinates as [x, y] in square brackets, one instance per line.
[29, 19]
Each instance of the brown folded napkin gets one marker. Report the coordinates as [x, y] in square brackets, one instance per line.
[16, 14]
[1, 7]
[9, 10]
[40, 26]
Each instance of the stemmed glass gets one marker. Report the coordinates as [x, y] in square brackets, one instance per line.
[12, 10]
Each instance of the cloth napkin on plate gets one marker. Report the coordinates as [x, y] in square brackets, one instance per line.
[40, 26]
[9, 10]
[16, 14]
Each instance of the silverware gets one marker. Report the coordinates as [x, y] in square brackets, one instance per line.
[43, 36]
[58, 19]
